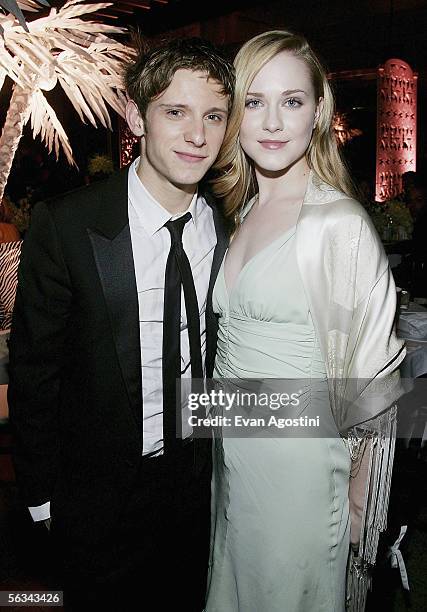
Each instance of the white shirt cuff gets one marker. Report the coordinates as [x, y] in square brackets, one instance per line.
[40, 513]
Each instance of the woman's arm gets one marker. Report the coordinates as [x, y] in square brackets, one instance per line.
[358, 490]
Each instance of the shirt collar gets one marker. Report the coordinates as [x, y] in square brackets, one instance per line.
[150, 213]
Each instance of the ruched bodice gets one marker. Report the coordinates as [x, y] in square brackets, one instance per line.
[265, 324]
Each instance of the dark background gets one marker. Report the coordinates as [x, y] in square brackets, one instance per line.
[348, 36]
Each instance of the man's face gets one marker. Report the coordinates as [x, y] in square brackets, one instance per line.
[183, 131]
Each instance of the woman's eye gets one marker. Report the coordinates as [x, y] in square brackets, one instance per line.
[293, 103]
[252, 103]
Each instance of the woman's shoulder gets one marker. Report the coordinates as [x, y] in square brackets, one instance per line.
[342, 219]
[335, 204]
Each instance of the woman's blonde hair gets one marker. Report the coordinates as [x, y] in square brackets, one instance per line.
[235, 179]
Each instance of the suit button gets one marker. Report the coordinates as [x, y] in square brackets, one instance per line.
[129, 463]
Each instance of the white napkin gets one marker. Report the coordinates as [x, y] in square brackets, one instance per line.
[413, 325]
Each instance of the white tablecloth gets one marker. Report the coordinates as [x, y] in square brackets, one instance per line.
[412, 327]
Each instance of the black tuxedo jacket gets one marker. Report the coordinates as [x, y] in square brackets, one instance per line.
[75, 361]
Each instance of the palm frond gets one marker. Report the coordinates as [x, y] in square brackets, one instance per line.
[13, 68]
[44, 122]
[28, 61]
[64, 44]
[32, 5]
[3, 74]
[75, 9]
[71, 2]
[76, 98]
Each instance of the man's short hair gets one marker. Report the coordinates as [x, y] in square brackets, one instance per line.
[151, 73]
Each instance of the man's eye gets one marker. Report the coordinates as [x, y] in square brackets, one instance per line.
[213, 117]
[174, 112]
[252, 103]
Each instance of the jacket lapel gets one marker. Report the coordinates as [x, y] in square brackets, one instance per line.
[222, 236]
[112, 248]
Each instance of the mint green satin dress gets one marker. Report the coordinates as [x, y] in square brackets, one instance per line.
[280, 519]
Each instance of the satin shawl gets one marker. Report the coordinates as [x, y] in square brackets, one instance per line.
[352, 299]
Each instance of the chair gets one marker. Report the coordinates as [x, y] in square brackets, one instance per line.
[10, 253]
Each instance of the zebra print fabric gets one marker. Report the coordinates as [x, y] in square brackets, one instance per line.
[9, 260]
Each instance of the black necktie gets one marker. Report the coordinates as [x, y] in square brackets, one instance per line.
[178, 273]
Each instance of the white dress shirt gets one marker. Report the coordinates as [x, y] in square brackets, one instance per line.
[150, 246]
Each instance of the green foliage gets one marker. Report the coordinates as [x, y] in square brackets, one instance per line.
[100, 164]
[392, 219]
[400, 215]
[20, 214]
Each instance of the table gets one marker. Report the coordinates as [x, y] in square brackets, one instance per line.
[414, 366]
[415, 362]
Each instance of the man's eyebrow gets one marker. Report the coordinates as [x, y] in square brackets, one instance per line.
[174, 105]
[214, 109]
[287, 92]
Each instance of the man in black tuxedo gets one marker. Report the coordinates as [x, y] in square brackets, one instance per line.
[93, 359]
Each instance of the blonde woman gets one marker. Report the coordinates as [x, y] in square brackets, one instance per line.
[304, 292]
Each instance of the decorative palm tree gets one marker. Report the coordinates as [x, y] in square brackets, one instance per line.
[63, 49]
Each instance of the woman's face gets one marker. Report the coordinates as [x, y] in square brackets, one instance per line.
[280, 114]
